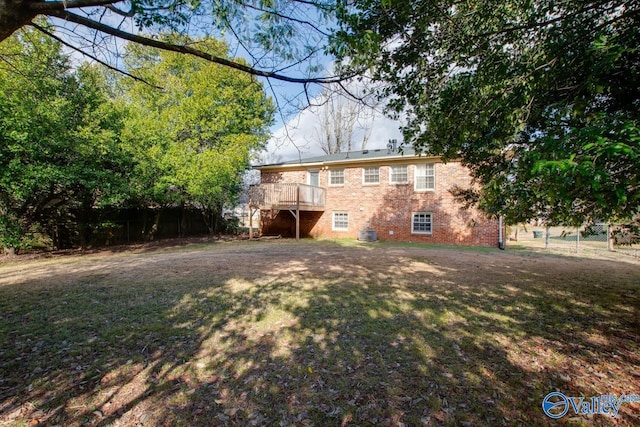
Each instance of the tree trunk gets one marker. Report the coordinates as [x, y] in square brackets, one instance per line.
[155, 227]
[212, 218]
[14, 14]
[181, 221]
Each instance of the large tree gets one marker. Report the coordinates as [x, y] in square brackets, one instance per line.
[541, 99]
[191, 141]
[59, 145]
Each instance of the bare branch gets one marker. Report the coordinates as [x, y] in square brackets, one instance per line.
[72, 17]
[13, 68]
[241, 43]
[47, 6]
[50, 34]
[284, 121]
[318, 5]
[114, 9]
[300, 61]
[288, 18]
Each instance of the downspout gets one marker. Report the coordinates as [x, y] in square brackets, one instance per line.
[500, 237]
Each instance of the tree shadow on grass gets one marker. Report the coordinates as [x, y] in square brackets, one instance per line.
[316, 334]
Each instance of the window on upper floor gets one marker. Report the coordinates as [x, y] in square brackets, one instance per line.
[313, 178]
[421, 223]
[425, 177]
[336, 177]
[340, 221]
[399, 174]
[371, 175]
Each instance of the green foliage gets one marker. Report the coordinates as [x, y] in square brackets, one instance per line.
[540, 99]
[191, 140]
[75, 141]
[58, 140]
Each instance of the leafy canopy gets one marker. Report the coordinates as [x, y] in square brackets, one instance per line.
[75, 141]
[191, 140]
[59, 149]
[541, 99]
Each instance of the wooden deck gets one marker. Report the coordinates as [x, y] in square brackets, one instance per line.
[292, 197]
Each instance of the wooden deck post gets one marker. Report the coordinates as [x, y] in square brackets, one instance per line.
[298, 212]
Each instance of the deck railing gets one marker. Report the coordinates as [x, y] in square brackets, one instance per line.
[287, 196]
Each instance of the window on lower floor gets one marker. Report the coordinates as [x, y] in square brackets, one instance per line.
[421, 223]
[340, 221]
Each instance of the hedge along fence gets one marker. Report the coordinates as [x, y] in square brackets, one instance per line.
[112, 227]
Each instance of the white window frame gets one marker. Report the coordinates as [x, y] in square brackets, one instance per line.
[364, 171]
[424, 170]
[331, 175]
[391, 181]
[311, 171]
[333, 221]
[414, 231]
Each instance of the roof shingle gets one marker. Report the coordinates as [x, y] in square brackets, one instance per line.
[378, 153]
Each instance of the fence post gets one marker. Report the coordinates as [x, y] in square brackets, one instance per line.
[547, 237]
[250, 224]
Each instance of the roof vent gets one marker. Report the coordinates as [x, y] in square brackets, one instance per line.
[392, 146]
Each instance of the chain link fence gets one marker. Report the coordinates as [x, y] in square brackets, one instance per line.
[581, 240]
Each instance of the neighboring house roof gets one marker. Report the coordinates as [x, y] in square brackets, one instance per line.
[363, 156]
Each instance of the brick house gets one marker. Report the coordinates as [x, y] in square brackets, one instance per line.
[398, 196]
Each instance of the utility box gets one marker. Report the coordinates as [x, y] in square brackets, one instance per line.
[368, 235]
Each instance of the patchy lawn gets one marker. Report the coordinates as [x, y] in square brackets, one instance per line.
[314, 333]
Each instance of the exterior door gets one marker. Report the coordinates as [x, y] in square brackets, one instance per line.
[314, 178]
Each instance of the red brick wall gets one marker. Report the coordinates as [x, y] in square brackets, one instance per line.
[388, 207]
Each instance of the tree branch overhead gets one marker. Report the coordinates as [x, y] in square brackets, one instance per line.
[15, 14]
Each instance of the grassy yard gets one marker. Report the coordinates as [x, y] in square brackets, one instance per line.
[314, 333]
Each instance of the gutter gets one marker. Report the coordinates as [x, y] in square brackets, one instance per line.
[383, 159]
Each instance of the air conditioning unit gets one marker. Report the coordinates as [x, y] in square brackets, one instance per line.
[368, 235]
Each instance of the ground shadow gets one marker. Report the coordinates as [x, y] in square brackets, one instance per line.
[285, 333]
